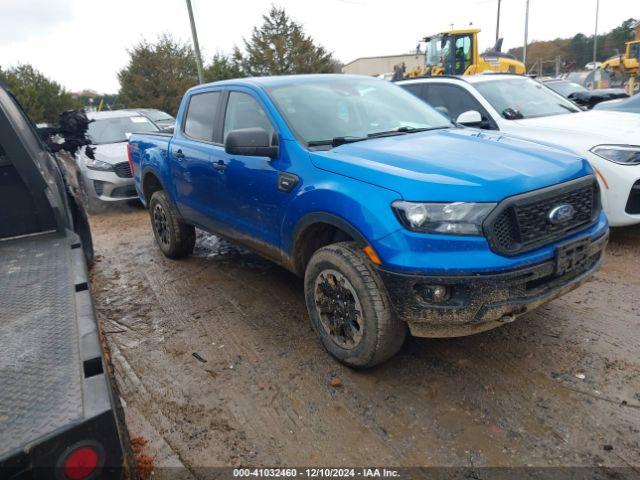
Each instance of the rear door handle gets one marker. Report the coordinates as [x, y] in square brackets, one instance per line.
[220, 165]
[178, 154]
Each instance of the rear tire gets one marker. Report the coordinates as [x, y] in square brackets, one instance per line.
[349, 307]
[175, 238]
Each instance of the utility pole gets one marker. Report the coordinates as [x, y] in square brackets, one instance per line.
[595, 36]
[498, 23]
[196, 45]
[526, 36]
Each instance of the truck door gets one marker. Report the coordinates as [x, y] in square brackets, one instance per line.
[192, 155]
[250, 198]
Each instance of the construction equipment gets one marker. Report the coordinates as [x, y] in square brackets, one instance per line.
[624, 68]
[456, 53]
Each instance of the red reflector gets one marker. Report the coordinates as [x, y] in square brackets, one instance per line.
[81, 463]
[130, 157]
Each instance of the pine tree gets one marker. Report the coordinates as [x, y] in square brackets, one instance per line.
[222, 67]
[279, 47]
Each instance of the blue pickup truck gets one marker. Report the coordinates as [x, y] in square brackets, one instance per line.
[396, 218]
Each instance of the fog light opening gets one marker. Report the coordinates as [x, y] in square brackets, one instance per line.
[432, 294]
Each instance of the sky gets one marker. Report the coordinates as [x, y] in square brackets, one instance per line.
[83, 43]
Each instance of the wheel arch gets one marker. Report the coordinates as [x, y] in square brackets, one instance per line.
[316, 230]
[150, 183]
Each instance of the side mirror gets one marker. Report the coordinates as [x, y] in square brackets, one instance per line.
[167, 129]
[250, 141]
[512, 114]
[470, 117]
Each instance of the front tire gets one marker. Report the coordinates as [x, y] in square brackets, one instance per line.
[175, 238]
[350, 308]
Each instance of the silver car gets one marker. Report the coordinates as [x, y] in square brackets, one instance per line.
[108, 176]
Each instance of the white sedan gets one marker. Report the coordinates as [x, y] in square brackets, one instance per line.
[107, 177]
[522, 107]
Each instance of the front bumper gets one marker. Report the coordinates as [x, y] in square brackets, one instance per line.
[619, 187]
[475, 303]
[109, 187]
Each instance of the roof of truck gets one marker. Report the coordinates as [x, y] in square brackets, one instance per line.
[279, 80]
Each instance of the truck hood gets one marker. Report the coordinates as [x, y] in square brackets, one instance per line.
[582, 130]
[456, 164]
[111, 152]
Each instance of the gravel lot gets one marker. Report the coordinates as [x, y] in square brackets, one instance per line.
[560, 386]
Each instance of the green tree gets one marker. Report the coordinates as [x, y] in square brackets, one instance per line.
[43, 99]
[222, 67]
[279, 47]
[578, 50]
[158, 74]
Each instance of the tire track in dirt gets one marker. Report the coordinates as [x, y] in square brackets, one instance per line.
[506, 397]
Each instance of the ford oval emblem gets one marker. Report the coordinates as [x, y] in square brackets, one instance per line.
[561, 213]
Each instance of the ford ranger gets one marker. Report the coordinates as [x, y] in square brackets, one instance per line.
[396, 218]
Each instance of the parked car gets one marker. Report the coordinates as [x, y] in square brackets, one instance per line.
[522, 107]
[631, 105]
[107, 177]
[589, 78]
[59, 416]
[581, 96]
[394, 216]
[162, 119]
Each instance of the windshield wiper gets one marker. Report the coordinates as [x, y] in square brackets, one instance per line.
[567, 108]
[337, 141]
[420, 129]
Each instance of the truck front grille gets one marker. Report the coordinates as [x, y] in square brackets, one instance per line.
[522, 222]
[122, 169]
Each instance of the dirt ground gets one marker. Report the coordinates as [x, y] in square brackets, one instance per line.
[218, 365]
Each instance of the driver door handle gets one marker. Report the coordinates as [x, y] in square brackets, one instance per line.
[178, 154]
[220, 165]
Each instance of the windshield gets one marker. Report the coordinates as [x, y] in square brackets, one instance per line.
[566, 88]
[438, 50]
[157, 115]
[118, 129]
[324, 109]
[517, 98]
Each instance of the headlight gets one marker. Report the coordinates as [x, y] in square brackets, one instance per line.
[622, 154]
[98, 165]
[453, 218]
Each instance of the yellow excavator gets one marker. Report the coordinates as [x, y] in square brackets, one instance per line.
[456, 53]
[625, 68]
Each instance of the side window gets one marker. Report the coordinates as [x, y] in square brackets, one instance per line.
[463, 54]
[201, 115]
[455, 100]
[415, 88]
[244, 111]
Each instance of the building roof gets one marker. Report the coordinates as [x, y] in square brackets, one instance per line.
[375, 57]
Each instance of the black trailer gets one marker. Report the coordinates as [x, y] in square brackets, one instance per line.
[57, 415]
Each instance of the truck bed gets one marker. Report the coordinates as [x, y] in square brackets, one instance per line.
[51, 371]
[39, 350]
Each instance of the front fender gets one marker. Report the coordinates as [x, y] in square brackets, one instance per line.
[360, 209]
